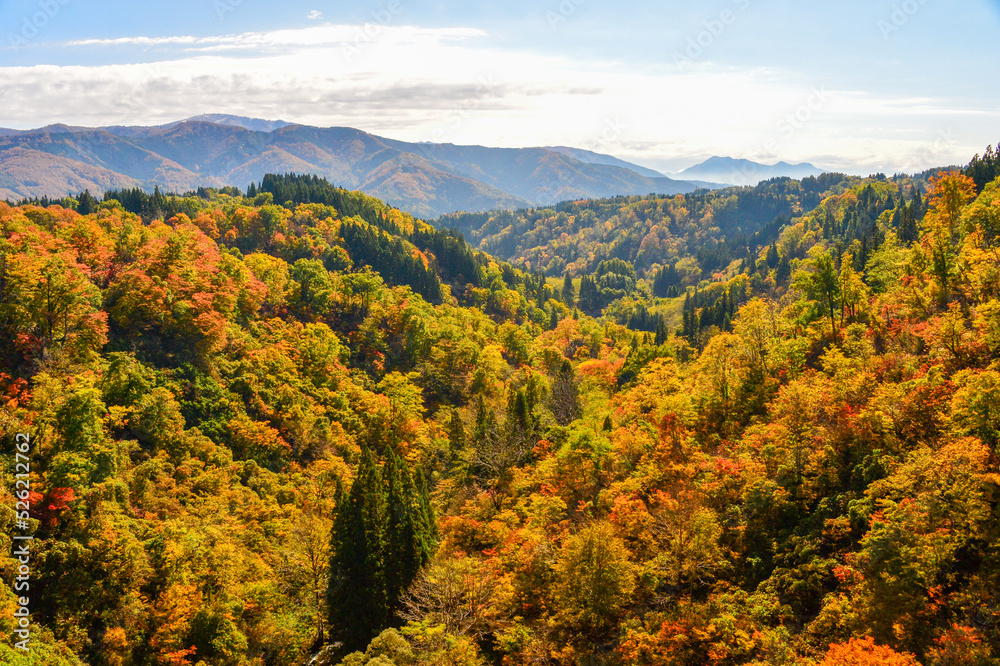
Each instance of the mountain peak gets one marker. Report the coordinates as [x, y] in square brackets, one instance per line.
[740, 171]
[254, 124]
[60, 128]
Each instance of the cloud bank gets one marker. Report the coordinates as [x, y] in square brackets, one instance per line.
[452, 85]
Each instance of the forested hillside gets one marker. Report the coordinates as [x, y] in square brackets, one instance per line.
[702, 232]
[296, 422]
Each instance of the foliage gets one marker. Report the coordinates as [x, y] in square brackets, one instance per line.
[301, 426]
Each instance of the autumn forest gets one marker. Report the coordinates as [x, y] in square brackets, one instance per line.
[294, 425]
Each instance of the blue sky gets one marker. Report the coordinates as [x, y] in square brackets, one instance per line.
[895, 85]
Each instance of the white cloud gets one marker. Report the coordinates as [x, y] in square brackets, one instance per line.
[137, 41]
[314, 15]
[449, 85]
[323, 35]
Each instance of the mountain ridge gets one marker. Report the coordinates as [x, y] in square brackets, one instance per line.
[220, 150]
[739, 171]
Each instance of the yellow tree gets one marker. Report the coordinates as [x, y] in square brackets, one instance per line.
[854, 293]
[718, 366]
[758, 326]
[949, 194]
[171, 620]
[595, 581]
[980, 256]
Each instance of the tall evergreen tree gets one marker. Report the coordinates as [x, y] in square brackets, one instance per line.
[590, 295]
[784, 271]
[485, 421]
[985, 169]
[568, 292]
[917, 204]
[908, 231]
[772, 258]
[661, 331]
[382, 535]
[456, 433]
[403, 529]
[564, 398]
[88, 204]
[429, 537]
[665, 279]
[357, 592]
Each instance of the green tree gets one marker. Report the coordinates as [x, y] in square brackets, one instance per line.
[975, 406]
[822, 285]
[568, 293]
[854, 293]
[984, 169]
[595, 581]
[757, 326]
[406, 532]
[126, 380]
[908, 230]
[357, 596]
[456, 433]
[83, 455]
[661, 332]
[312, 289]
[382, 535]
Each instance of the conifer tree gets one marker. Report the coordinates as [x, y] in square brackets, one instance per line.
[772, 256]
[567, 289]
[485, 421]
[88, 204]
[357, 593]
[665, 280]
[383, 533]
[590, 296]
[908, 231]
[565, 396]
[456, 433]
[661, 332]
[985, 169]
[917, 204]
[404, 552]
[429, 536]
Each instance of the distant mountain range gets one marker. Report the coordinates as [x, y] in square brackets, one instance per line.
[425, 179]
[745, 172]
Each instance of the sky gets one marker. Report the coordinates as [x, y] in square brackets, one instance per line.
[858, 86]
